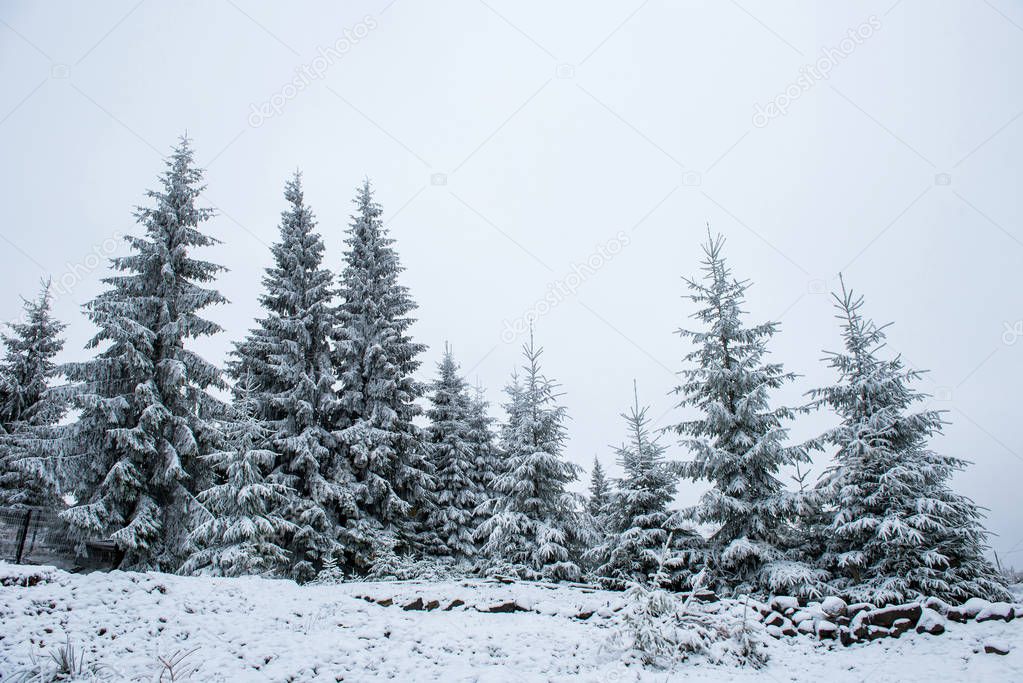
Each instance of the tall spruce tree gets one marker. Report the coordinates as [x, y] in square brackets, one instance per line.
[375, 359]
[488, 461]
[286, 366]
[460, 483]
[737, 440]
[133, 460]
[241, 536]
[534, 522]
[600, 492]
[27, 401]
[640, 527]
[894, 528]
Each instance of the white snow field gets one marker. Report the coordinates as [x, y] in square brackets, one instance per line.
[122, 624]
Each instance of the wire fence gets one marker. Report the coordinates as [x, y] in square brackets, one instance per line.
[39, 536]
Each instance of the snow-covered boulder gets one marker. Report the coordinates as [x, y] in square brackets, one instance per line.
[785, 604]
[938, 605]
[887, 616]
[834, 606]
[826, 630]
[809, 613]
[996, 647]
[974, 606]
[1001, 611]
[931, 621]
[858, 607]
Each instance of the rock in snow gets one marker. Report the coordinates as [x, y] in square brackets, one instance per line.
[887, 616]
[834, 606]
[997, 610]
[974, 606]
[996, 647]
[784, 603]
[930, 622]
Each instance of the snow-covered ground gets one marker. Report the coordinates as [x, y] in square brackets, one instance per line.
[261, 630]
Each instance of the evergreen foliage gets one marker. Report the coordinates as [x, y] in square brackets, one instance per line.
[737, 439]
[241, 536]
[643, 537]
[460, 482]
[286, 366]
[27, 401]
[133, 461]
[375, 360]
[894, 528]
[534, 522]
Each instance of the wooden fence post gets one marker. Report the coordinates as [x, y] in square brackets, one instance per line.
[22, 535]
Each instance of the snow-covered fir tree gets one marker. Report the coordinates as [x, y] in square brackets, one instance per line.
[600, 492]
[737, 438]
[534, 522]
[643, 537]
[375, 359]
[488, 461]
[894, 528]
[286, 365]
[242, 534]
[26, 401]
[133, 461]
[459, 482]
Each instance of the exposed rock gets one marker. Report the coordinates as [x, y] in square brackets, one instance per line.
[826, 630]
[504, 608]
[877, 632]
[807, 614]
[930, 622]
[415, 605]
[432, 605]
[758, 606]
[702, 596]
[386, 602]
[858, 625]
[1000, 611]
[996, 647]
[938, 605]
[857, 607]
[584, 615]
[774, 619]
[956, 614]
[887, 616]
[834, 606]
[974, 606]
[454, 603]
[901, 626]
[784, 603]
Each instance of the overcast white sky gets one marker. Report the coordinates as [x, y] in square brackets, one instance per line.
[509, 141]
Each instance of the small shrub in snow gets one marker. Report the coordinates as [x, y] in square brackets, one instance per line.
[63, 663]
[331, 574]
[661, 630]
[392, 566]
[176, 667]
